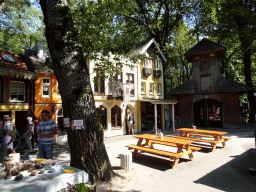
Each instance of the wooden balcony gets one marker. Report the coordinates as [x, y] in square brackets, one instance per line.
[157, 73]
[147, 71]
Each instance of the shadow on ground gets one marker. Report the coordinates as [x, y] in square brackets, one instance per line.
[155, 162]
[225, 179]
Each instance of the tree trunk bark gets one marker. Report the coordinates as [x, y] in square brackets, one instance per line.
[248, 81]
[86, 146]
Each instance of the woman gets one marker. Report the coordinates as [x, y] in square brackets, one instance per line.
[29, 133]
[129, 118]
[35, 137]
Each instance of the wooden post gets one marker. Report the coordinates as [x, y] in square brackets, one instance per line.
[155, 118]
[173, 124]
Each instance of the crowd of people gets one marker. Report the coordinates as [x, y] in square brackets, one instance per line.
[39, 135]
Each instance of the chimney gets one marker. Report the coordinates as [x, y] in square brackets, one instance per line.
[39, 49]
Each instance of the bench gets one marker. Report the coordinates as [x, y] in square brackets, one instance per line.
[175, 156]
[211, 136]
[193, 148]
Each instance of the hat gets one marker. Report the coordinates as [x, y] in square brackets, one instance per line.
[6, 117]
[29, 119]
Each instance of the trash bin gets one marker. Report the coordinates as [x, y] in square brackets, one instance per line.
[126, 161]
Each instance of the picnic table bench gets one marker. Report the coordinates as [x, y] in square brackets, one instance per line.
[180, 143]
[217, 135]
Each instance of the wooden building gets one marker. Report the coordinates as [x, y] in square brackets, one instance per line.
[208, 100]
[16, 88]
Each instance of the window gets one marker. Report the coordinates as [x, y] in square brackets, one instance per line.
[46, 92]
[116, 117]
[157, 64]
[57, 89]
[151, 88]
[115, 85]
[102, 114]
[17, 91]
[143, 88]
[99, 85]
[130, 80]
[7, 58]
[159, 89]
[147, 63]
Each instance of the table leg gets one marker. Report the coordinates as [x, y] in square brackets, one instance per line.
[214, 147]
[150, 145]
[136, 150]
[191, 157]
[175, 163]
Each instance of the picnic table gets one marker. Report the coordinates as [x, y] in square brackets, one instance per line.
[216, 135]
[179, 143]
[46, 182]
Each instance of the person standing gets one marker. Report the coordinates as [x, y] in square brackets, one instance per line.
[129, 118]
[29, 133]
[9, 127]
[3, 147]
[46, 130]
[35, 137]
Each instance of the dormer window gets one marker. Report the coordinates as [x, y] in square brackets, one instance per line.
[147, 67]
[147, 64]
[7, 58]
[157, 68]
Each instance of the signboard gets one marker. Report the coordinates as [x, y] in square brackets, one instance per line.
[78, 124]
[66, 122]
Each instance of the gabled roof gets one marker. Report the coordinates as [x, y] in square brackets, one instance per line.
[185, 88]
[225, 85]
[205, 46]
[16, 67]
[143, 48]
[38, 64]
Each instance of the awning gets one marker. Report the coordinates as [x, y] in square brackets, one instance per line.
[161, 101]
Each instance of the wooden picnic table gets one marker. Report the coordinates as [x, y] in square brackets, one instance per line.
[180, 143]
[217, 135]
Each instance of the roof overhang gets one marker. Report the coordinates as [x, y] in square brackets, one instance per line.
[18, 73]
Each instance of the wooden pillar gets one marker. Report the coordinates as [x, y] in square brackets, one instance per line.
[155, 118]
[173, 124]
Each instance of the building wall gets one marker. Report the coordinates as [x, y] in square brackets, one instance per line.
[42, 103]
[231, 110]
[185, 110]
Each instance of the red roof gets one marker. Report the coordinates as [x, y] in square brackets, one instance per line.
[19, 63]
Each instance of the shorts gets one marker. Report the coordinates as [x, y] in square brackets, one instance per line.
[46, 151]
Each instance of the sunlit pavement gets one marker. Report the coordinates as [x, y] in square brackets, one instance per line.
[209, 171]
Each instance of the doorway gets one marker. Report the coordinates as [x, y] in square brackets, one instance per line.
[208, 113]
[21, 121]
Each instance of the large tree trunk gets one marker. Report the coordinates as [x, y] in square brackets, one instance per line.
[86, 146]
[248, 81]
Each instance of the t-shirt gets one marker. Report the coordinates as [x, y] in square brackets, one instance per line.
[2, 136]
[31, 125]
[8, 125]
[46, 128]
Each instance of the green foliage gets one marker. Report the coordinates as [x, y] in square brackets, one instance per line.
[21, 25]
[82, 187]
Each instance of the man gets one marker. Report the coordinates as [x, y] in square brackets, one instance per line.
[46, 130]
[8, 126]
[3, 147]
[29, 133]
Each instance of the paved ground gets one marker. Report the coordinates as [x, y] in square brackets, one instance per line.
[226, 169]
